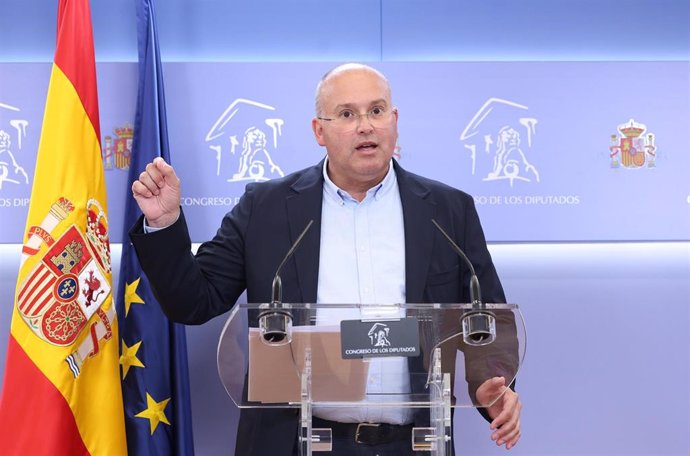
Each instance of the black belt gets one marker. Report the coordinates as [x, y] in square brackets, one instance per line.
[367, 433]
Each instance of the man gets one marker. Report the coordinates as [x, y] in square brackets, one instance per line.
[371, 228]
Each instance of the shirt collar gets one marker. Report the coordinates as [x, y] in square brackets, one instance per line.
[340, 196]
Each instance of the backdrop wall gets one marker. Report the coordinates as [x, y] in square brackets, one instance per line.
[604, 284]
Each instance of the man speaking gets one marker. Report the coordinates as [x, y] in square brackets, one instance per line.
[372, 241]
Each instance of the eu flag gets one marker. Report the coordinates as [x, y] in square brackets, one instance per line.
[155, 379]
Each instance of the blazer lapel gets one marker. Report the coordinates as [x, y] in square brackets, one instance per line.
[303, 205]
[418, 210]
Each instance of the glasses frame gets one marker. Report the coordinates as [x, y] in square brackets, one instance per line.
[358, 118]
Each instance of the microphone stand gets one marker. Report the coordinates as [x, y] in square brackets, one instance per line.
[275, 323]
[478, 324]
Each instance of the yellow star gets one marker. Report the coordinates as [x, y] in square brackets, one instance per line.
[129, 358]
[131, 296]
[154, 412]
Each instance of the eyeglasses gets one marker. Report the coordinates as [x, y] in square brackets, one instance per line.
[377, 116]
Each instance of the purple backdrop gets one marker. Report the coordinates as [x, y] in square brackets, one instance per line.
[551, 151]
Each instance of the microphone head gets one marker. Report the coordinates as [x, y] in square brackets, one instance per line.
[275, 327]
[478, 327]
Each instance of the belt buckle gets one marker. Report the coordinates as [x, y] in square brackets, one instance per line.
[361, 425]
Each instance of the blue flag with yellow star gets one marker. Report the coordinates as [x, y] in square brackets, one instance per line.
[153, 350]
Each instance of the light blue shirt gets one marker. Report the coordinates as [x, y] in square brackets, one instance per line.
[362, 261]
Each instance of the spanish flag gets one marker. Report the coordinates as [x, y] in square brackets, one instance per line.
[61, 393]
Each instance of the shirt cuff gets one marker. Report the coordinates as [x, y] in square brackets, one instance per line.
[152, 229]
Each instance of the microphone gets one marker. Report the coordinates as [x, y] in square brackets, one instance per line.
[275, 322]
[478, 324]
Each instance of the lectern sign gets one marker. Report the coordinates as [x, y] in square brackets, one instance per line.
[374, 338]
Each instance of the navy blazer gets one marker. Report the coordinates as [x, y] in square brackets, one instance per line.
[256, 234]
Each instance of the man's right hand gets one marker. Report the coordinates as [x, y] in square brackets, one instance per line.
[157, 192]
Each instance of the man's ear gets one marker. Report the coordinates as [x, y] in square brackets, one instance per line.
[317, 128]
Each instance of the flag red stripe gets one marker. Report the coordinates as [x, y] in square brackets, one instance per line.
[37, 423]
[74, 54]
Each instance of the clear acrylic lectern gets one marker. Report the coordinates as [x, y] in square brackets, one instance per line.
[353, 356]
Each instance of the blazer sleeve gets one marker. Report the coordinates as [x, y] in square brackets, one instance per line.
[192, 289]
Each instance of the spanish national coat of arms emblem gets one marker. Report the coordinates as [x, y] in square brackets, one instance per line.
[117, 152]
[70, 282]
[633, 148]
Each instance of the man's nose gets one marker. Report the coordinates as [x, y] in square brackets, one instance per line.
[364, 124]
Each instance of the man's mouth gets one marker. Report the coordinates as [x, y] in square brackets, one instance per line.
[366, 146]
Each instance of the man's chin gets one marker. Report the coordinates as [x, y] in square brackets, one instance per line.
[373, 171]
